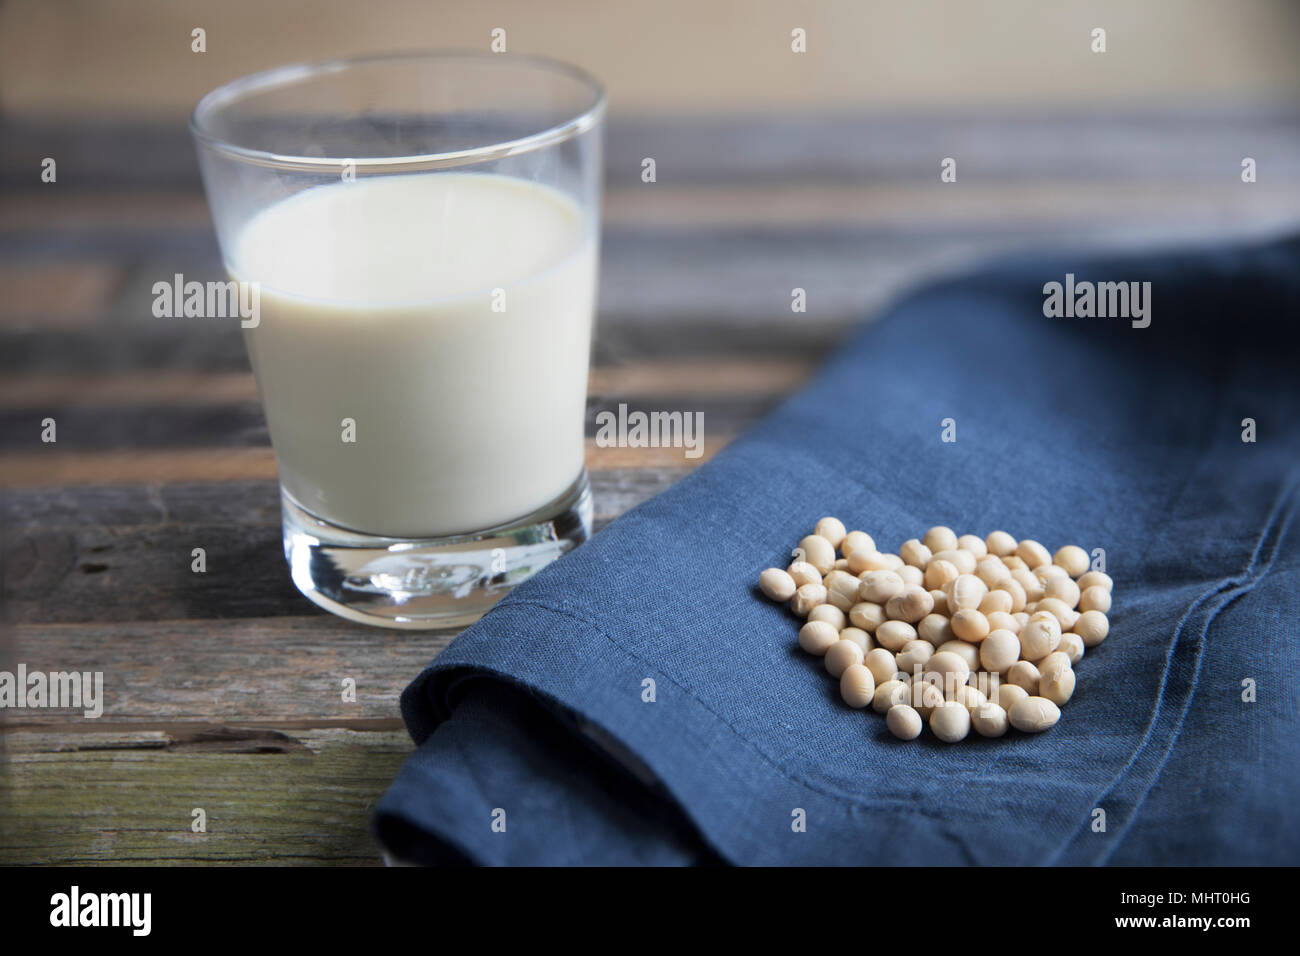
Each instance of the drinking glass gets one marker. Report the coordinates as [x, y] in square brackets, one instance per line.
[419, 236]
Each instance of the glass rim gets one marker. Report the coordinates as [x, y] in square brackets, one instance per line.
[234, 90]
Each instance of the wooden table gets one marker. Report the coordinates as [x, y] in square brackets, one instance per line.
[223, 688]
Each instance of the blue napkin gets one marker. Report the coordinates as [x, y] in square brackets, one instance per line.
[639, 702]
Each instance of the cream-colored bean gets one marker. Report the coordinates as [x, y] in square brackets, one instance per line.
[830, 614]
[1045, 572]
[804, 573]
[1073, 558]
[1092, 626]
[867, 616]
[842, 655]
[1032, 553]
[1057, 685]
[1072, 647]
[1053, 662]
[999, 651]
[1033, 715]
[965, 592]
[1017, 591]
[841, 564]
[818, 637]
[1033, 588]
[989, 720]
[856, 541]
[1000, 543]
[974, 544]
[940, 602]
[1040, 636]
[913, 655]
[969, 697]
[893, 562]
[966, 651]
[818, 552]
[948, 670]
[990, 570]
[1064, 590]
[893, 635]
[935, 629]
[888, 694]
[1002, 621]
[1022, 618]
[879, 586]
[832, 529]
[858, 636]
[1063, 613]
[1096, 579]
[1014, 563]
[963, 561]
[864, 560]
[808, 597]
[857, 686]
[1023, 674]
[939, 572]
[842, 589]
[910, 606]
[912, 577]
[925, 698]
[778, 585]
[970, 625]
[940, 538]
[1095, 598]
[995, 601]
[904, 722]
[881, 664]
[914, 553]
[950, 722]
[1008, 694]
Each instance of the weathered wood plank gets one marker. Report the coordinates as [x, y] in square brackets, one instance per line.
[119, 554]
[259, 670]
[1153, 144]
[291, 798]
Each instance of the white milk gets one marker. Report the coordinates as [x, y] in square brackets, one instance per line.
[377, 305]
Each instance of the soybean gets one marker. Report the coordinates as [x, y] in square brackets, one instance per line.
[857, 686]
[1034, 714]
[950, 722]
[989, 720]
[841, 656]
[808, 597]
[1093, 627]
[778, 585]
[903, 722]
[832, 529]
[818, 637]
[888, 694]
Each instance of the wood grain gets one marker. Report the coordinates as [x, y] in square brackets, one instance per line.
[270, 797]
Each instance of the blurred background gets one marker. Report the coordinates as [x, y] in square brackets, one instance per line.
[775, 170]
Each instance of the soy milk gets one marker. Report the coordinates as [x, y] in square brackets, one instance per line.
[448, 315]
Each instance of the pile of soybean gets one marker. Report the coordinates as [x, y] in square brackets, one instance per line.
[954, 632]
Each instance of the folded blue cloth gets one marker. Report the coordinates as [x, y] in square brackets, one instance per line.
[1068, 430]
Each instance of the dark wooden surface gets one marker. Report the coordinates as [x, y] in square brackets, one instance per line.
[222, 689]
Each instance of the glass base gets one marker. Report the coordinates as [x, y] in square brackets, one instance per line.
[427, 582]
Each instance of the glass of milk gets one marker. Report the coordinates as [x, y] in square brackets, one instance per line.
[420, 234]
